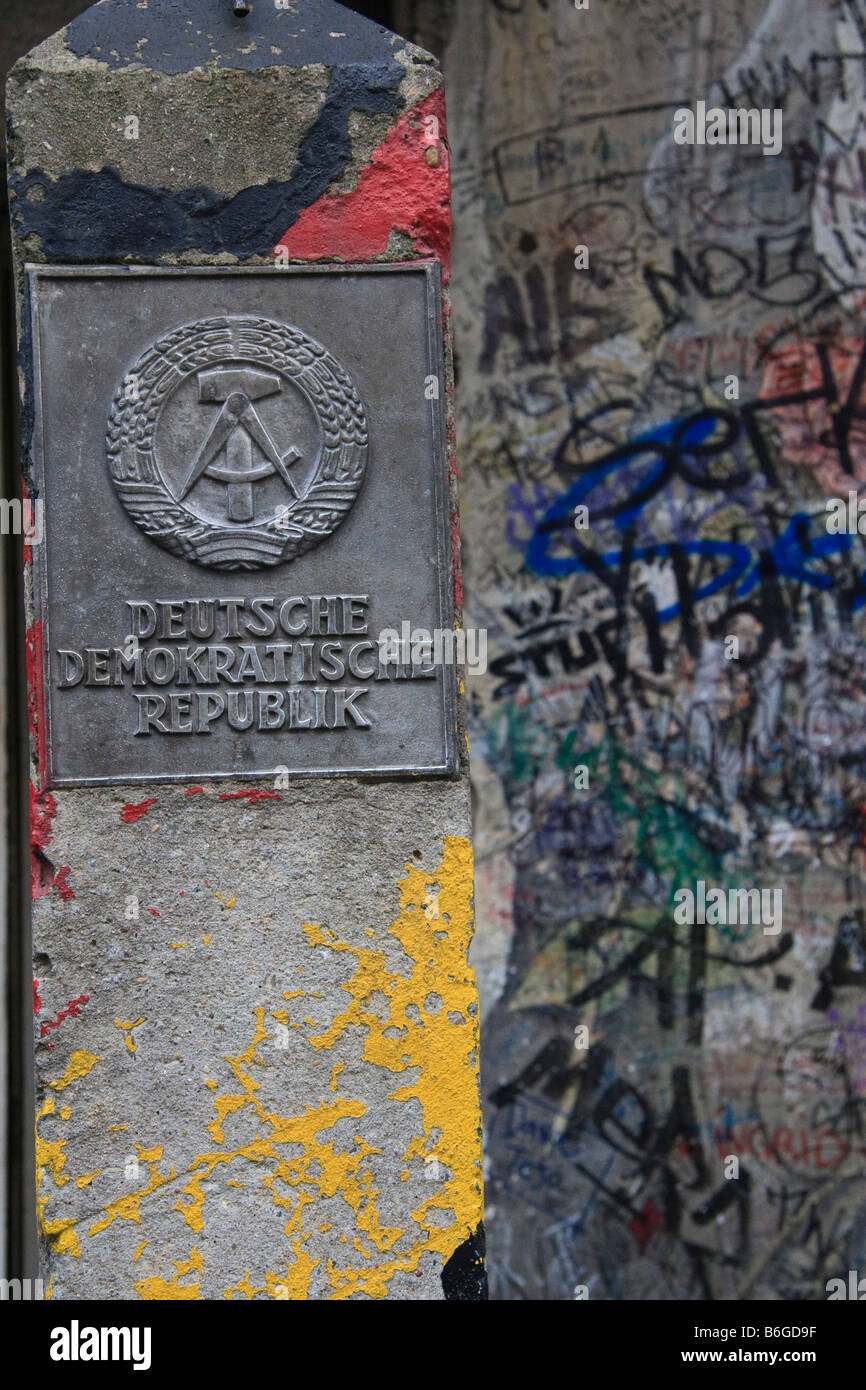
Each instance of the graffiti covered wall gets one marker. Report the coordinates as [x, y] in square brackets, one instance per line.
[661, 364]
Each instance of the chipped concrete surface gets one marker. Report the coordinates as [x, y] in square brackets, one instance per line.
[273, 1075]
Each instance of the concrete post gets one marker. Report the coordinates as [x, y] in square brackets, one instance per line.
[252, 873]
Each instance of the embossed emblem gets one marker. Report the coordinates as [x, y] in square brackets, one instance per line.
[237, 442]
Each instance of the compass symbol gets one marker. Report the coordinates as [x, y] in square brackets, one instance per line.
[236, 429]
[218, 487]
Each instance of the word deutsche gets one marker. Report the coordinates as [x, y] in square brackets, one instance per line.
[331, 615]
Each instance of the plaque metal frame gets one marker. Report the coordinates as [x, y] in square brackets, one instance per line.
[35, 275]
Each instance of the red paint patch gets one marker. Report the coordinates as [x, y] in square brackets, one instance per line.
[41, 873]
[37, 1002]
[36, 694]
[397, 191]
[253, 794]
[133, 812]
[153, 912]
[72, 1010]
[644, 1226]
[455, 548]
[43, 809]
[193, 791]
[61, 884]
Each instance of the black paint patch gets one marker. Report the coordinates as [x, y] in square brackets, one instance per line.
[184, 34]
[87, 216]
[464, 1277]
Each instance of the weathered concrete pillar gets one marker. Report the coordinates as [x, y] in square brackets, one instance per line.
[252, 872]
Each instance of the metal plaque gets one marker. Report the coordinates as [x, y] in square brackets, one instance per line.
[245, 566]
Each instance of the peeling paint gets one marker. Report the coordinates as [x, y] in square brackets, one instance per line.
[51, 1160]
[95, 215]
[72, 1010]
[80, 1064]
[149, 1289]
[61, 884]
[43, 809]
[134, 811]
[127, 1028]
[127, 1208]
[413, 1035]
[397, 190]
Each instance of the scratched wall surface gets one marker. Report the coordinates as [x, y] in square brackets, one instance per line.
[256, 1030]
[605, 388]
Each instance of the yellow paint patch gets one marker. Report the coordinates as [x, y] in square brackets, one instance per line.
[115, 1129]
[50, 1158]
[66, 1112]
[319, 1164]
[80, 1063]
[207, 940]
[62, 1236]
[49, 1152]
[128, 1207]
[151, 1289]
[139, 1249]
[87, 1178]
[127, 1029]
[445, 1056]
[245, 1287]
[192, 1210]
[178, 945]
